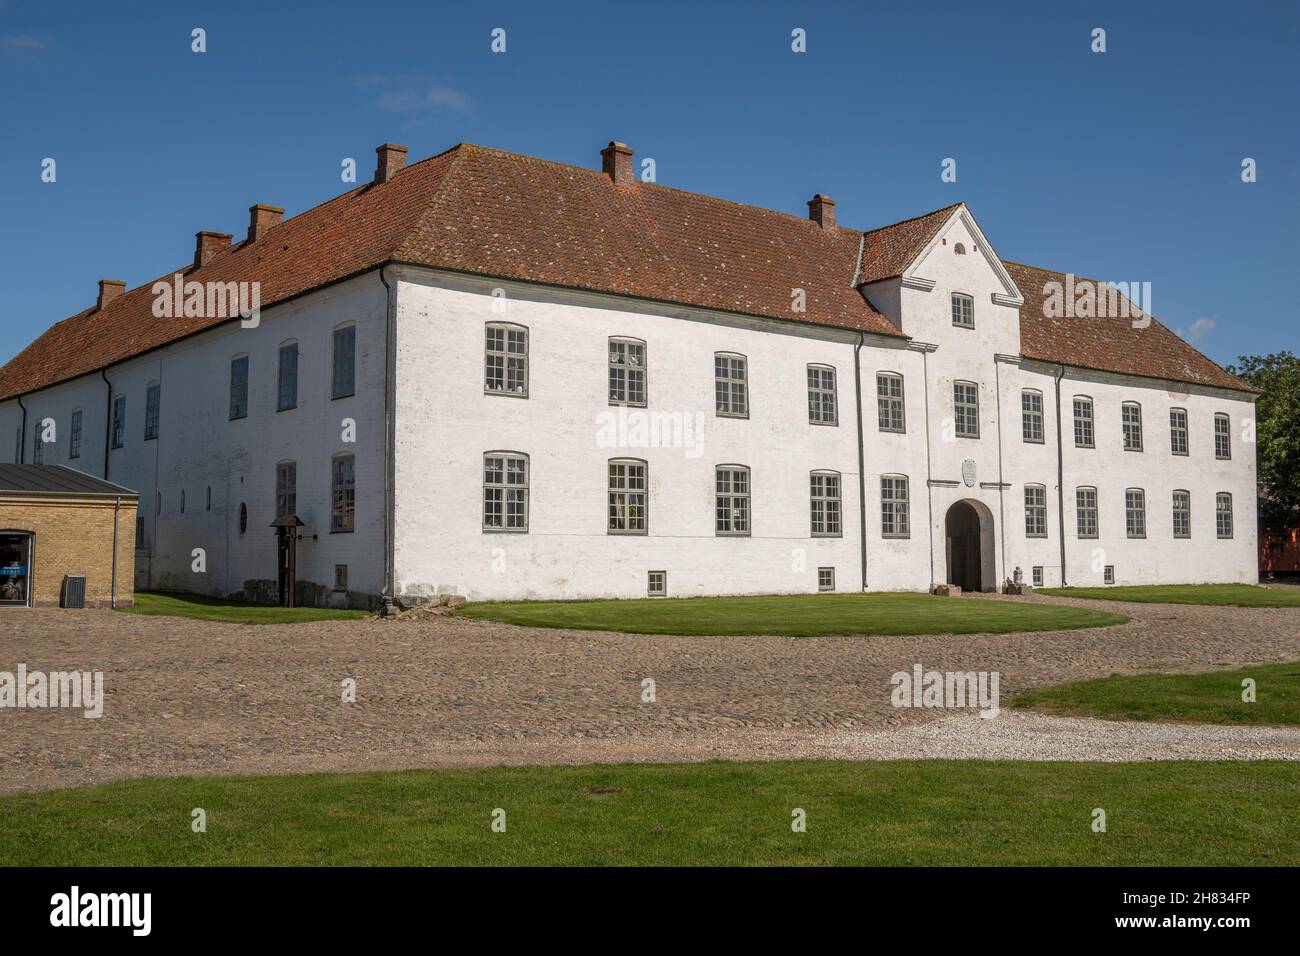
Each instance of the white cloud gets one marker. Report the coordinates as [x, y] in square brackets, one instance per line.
[413, 100]
[1199, 329]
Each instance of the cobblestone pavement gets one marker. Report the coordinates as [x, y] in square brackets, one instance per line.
[193, 697]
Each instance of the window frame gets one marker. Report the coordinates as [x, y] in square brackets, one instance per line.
[828, 503]
[505, 487]
[1131, 529]
[349, 492]
[1226, 435]
[820, 394]
[1027, 417]
[627, 493]
[1081, 510]
[958, 404]
[152, 410]
[731, 496]
[282, 381]
[286, 489]
[730, 383]
[824, 586]
[1035, 512]
[505, 353]
[1084, 422]
[118, 428]
[1185, 511]
[899, 400]
[893, 507]
[348, 329]
[1177, 430]
[650, 589]
[1126, 425]
[962, 306]
[238, 412]
[74, 434]
[629, 371]
[1219, 512]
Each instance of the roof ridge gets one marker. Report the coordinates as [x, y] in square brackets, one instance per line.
[924, 215]
[399, 251]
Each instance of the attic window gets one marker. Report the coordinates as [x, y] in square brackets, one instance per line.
[959, 250]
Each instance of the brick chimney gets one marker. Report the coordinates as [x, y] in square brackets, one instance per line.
[262, 217]
[391, 158]
[208, 244]
[821, 210]
[109, 289]
[616, 161]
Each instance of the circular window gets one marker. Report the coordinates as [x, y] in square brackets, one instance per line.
[243, 517]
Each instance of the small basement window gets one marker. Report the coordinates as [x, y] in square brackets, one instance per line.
[657, 583]
[1038, 576]
[825, 579]
[1108, 575]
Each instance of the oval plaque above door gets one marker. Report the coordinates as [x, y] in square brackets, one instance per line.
[968, 472]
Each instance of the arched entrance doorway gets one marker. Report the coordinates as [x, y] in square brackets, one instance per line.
[966, 530]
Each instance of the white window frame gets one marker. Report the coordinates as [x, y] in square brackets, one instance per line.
[629, 496]
[1035, 511]
[343, 496]
[1085, 430]
[1222, 436]
[1135, 513]
[1087, 517]
[348, 330]
[1223, 515]
[286, 488]
[1184, 513]
[825, 579]
[502, 498]
[825, 491]
[726, 523]
[973, 407]
[1031, 419]
[505, 366]
[1178, 432]
[895, 507]
[287, 376]
[730, 391]
[1131, 425]
[891, 406]
[823, 406]
[963, 310]
[628, 375]
[662, 589]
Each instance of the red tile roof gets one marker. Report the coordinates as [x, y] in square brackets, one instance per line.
[505, 215]
[1107, 344]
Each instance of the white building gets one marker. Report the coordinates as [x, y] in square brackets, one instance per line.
[496, 376]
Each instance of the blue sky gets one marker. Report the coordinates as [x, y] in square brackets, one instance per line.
[1123, 165]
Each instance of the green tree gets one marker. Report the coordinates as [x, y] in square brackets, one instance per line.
[1277, 431]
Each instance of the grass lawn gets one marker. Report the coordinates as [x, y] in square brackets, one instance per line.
[797, 615]
[890, 813]
[1213, 698]
[1241, 595]
[215, 609]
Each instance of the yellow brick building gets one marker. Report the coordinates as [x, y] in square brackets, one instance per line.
[56, 522]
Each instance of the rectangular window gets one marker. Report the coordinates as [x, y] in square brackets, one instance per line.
[1222, 437]
[1178, 431]
[139, 533]
[825, 488]
[1085, 506]
[963, 311]
[627, 372]
[889, 401]
[1132, 419]
[239, 387]
[288, 391]
[894, 521]
[627, 497]
[38, 446]
[821, 395]
[1035, 511]
[732, 500]
[152, 400]
[731, 385]
[345, 362]
[74, 441]
[506, 360]
[119, 420]
[340, 577]
[1223, 514]
[505, 492]
[286, 489]
[1031, 416]
[825, 579]
[966, 409]
[656, 583]
[1038, 575]
[1135, 513]
[1182, 514]
[1108, 574]
[1083, 423]
[343, 494]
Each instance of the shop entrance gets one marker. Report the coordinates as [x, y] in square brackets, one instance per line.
[15, 568]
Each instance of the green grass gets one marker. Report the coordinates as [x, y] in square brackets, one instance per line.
[1210, 698]
[888, 813]
[213, 609]
[1240, 595]
[800, 615]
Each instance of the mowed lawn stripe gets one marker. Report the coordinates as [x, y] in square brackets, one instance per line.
[882, 813]
[797, 615]
[1239, 595]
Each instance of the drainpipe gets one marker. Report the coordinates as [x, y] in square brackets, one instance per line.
[862, 477]
[1002, 511]
[22, 432]
[929, 473]
[1060, 475]
[112, 588]
[390, 438]
[108, 421]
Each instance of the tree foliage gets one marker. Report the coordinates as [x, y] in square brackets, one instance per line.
[1277, 431]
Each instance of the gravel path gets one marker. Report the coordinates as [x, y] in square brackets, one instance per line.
[196, 697]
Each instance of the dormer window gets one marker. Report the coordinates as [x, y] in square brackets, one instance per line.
[963, 311]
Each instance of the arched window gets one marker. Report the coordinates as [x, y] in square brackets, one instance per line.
[1135, 512]
[627, 371]
[505, 491]
[1182, 513]
[1083, 422]
[824, 498]
[1223, 514]
[1085, 506]
[731, 384]
[1031, 415]
[959, 249]
[628, 496]
[1222, 436]
[895, 520]
[1131, 416]
[1178, 431]
[505, 359]
[343, 494]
